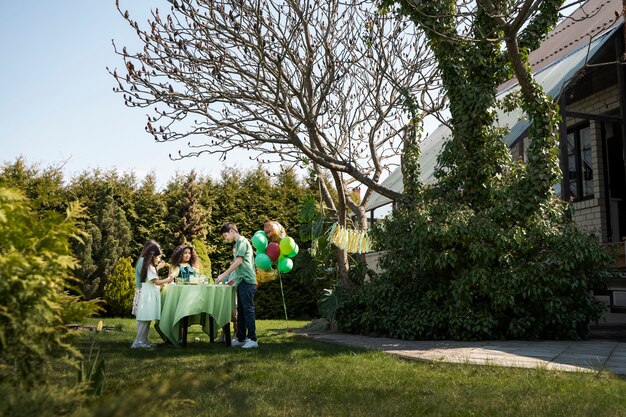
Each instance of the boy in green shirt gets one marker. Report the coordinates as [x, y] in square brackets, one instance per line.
[245, 281]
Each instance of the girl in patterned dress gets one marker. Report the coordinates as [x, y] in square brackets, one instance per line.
[184, 263]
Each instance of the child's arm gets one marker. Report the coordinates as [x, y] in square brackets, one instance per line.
[163, 281]
[152, 276]
[238, 261]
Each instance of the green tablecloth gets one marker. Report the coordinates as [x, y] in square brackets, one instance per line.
[200, 303]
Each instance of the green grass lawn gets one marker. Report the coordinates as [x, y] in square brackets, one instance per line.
[291, 375]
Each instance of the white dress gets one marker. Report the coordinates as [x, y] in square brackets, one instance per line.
[149, 306]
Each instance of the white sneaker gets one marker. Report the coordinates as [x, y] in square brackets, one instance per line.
[236, 342]
[138, 345]
[250, 344]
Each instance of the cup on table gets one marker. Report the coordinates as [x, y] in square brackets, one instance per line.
[179, 281]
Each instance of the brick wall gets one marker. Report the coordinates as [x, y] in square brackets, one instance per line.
[590, 215]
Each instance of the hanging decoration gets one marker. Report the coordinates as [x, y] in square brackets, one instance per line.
[350, 240]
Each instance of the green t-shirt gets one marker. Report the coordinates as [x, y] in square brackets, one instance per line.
[246, 271]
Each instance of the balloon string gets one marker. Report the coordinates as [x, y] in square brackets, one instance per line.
[282, 293]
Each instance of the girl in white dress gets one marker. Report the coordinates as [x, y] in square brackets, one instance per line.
[149, 305]
[138, 266]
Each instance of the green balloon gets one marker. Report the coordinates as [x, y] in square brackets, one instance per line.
[293, 252]
[285, 265]
[262, 261]
[287, 245]
[259, 241]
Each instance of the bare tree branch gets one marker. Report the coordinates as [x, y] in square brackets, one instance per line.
[292, 81]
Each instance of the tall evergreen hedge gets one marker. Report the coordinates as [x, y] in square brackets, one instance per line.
[124, 211]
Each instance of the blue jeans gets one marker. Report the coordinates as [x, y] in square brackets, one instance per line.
[245, 311]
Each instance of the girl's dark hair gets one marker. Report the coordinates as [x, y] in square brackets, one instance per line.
[150, 242]
[149, 253]
[146, 245]
[178, 255]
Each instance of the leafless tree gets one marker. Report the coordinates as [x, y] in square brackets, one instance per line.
[324, 83]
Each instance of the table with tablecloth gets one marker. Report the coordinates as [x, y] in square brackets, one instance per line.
[211, 306]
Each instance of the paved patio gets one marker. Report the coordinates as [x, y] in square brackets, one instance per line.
[584, 356]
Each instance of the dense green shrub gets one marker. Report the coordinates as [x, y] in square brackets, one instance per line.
[300, 299]
[74, 309]
[42, 400]
[35, 264]
[120, 289]
[454, 272]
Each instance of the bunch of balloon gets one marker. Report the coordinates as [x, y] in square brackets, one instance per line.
[274, 231]
[273, 245]
[288, 250]
[268, 252]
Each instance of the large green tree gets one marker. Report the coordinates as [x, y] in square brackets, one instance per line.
[488, 252]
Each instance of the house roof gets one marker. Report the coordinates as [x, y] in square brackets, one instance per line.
[588, 21]
[554, 65]
[552, 78]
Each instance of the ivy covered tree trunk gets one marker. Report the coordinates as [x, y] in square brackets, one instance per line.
[488, 251]
[410, 163]
[472, 65]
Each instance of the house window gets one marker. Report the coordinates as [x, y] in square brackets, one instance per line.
[579, 161]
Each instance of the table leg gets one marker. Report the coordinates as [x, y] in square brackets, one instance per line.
[185, 324]
[211, 329]
[226, 330]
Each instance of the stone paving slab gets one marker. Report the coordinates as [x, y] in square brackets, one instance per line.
[584, 356]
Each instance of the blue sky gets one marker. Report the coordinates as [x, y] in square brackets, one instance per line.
[57, 103]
